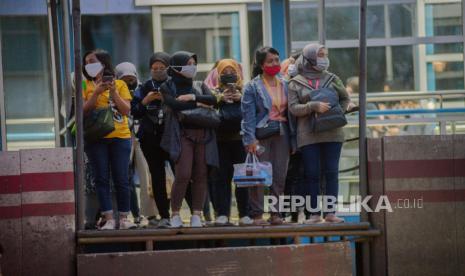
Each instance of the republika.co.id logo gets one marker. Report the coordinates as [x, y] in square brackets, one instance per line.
[330, 204]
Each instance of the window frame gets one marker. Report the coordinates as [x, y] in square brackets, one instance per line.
[241, 9]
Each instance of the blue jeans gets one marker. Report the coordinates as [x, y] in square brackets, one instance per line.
[321, 159]
[105, 155]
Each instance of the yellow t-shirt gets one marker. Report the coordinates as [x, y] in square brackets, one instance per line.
[121, 122]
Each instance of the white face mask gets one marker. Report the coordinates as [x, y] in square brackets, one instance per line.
[322, 64]
[93, 69]
[292, 70]
[188, 71]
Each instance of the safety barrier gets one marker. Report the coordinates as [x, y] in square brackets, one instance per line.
[423, 177]
[37, 212]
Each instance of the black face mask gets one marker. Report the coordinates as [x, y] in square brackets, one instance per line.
[228, 78]
[132, 85]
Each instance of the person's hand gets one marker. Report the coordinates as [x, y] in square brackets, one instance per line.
[204, 105]
[101, 87]
[236, 96]
[186, 98]
[151, 96]
[112, 87]
[322, 107]
[252, 148]
[227, 97]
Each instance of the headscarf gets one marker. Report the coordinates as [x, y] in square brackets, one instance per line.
[161, 57]
[223, 64]
[211, 81]
[125, 69]
[181, 58]
[307, 60]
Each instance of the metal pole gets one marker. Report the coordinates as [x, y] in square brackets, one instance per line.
[2, 102]
[67, 95]
[79, 168]
[321, 22]
[362, 127]
[55, 57]
[288, 27]
[463, 33]
[266, 23]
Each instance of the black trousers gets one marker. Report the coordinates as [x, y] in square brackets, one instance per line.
[230, 153]
[156, 157]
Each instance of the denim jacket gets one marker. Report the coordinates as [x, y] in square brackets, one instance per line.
[256, 105]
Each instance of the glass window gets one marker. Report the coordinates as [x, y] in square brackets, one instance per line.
[126, 37]
[445, 75]
[304, 21]
[401, 18]
[211, 36]
[443, 19]
[389, 68]
[342, 22]
[27, 81]
[255, 31]
[447, 48]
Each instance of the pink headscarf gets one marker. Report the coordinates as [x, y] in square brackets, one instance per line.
[212, 79]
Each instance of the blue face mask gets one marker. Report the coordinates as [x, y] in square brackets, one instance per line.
[322, 64]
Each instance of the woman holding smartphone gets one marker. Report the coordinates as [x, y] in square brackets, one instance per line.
[110, 153]
[147, 108]
[230, 149]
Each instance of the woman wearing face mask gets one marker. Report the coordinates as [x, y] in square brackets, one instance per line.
[147, 108]
[111, 152]
[191, 147]
[231, 151]
[264, 106]
[323, 147]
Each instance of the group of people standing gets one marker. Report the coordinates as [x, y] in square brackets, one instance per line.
[270, 112]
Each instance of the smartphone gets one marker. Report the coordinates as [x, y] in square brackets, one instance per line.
[107, 78]
[232, 87]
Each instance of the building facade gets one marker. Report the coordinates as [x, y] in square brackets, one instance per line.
[413, 45]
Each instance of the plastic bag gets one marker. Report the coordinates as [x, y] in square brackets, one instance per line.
[253, 173]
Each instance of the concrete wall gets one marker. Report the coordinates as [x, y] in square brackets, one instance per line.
[329, 259]
[37, 212]
[423, 177]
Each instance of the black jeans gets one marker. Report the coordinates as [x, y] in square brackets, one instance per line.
[295, 179]
[156, 157]
[230, 153]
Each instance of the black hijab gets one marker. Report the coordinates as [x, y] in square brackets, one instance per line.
[177, 60]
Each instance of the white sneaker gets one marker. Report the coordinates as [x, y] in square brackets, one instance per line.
[221, 220]
[196, 221]
[314, 219]
[125, 223]
[246, 220]
[301, 217]
[332, 218]
[108, 225]
[164, 223]
[176, 221]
